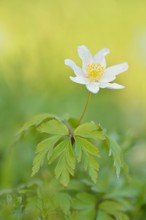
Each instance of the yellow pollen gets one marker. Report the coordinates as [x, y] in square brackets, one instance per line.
[95, 72]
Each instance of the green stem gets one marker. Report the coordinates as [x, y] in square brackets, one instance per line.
[84, 110]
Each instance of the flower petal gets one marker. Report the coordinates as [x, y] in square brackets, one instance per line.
[111, 72]
[93, 87]
[99, 57]
[117, 69]
[77, 70]
[107, 77]
[85, 56]
[80, 80]
[111, 86]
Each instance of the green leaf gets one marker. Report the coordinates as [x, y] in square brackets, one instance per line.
[63, 201]
[54, 127]
[84, 214]
[76, 186]
[58, 150]
[87, 146]
[84, 201]
[70, 159]
[129, 192]
[121, 216]
[78, 150]
[66, 161]
[85, 162]
[111, 207]
[90, 153]
[85, 206]
[59, 167]
[64, 177]
[103, 216]
[116, 153]
[73, 122]
[93, 168]
[42, 149]
[106, 215]
[89, 130]
[36, 120]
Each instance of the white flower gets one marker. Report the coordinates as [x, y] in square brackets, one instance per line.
[94, 74]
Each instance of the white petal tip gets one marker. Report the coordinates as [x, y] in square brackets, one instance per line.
[66, 61]
[125, 66]
[107, 51]
[104, 51]
[79, 80]
[82, 49]
[122, 87]
[95, 92]
[78, 47]
[71, 77]
[113, 86]
[93, 88]
[117, 86]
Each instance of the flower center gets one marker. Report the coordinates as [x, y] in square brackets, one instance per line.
[95, 72]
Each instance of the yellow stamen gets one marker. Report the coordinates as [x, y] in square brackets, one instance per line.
[95, 72]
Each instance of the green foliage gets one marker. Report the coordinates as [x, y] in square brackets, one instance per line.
[66, 161]
[66, 148]
[103, 216]
[69, 147]
[47, 199]
[53, 127]
[84, 204]
[63, 201]
[37, 120]
[90, 130]
[113, 208]
[61, 150]
[35, 200]
[90, 153]
[43, 148]
[76, 154]
[116, 152]
[87, 136]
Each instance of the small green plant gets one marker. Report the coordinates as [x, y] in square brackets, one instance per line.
[71, 149]
[78, 181]
[70, 145]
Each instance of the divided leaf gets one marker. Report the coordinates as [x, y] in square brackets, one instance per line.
[66, 162]
[93, 168]
[63, 201]
[110, 206]
[78, 150]
[85, 206]
[87, 146]
[84, 201]
[54, 127]
[114, 208]
[35, 121]
[90, 153]
[89, 130]
[58, 150]
[103, 216]
[121, 216]
[44, 147]
[116, 153]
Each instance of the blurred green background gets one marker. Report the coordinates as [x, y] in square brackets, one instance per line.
[35, 38]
